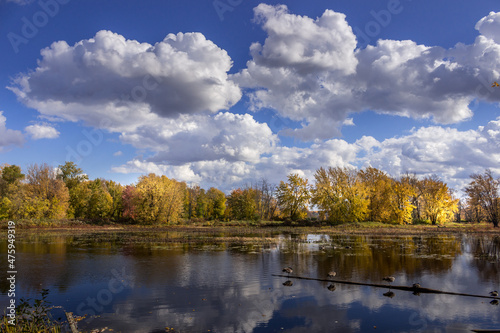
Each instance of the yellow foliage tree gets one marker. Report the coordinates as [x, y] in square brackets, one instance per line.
[378, 189]
[158, 199]
[400, 202]
[340, 193]
[438, 202]
[46, 196]
[294, 196]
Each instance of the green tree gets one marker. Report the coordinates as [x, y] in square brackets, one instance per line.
[241, 204]
[71, 175]
[217, 203]
[294, 196]
[190, 200]
[202, 204]
[100, 202]
[115, 190]
[80, 200]
[340, 194]
[10, 175]
[11, 189]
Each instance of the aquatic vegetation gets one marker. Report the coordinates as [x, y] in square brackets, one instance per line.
[32, 317]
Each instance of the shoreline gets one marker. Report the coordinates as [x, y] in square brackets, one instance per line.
[359, 228]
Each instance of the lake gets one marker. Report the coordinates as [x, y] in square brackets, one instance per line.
[157, 281]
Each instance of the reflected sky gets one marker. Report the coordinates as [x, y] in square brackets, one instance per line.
[133, 286]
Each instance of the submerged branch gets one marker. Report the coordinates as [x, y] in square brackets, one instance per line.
[377, 285]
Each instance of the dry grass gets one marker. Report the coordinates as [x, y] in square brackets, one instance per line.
[248, 230]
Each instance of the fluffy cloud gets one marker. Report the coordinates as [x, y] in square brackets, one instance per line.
[42, 131]
[310, 70]
[226, 136]
[128, 81]
[489, 26]
[224, 148]
[447, 152]
[226, 173]
[166, 100]
[302, 44]
[8, 137]
[220, 173]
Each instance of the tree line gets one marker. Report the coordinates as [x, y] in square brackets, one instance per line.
[339, 195]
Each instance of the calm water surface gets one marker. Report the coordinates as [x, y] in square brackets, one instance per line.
[138, 282]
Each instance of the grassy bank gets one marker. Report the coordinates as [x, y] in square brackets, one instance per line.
[259, 227]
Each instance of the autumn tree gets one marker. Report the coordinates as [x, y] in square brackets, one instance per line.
[46, 196]
[438, 204]
[267, 204]
[190, 199]
[72, 176]
[100, 202]
[483, 191]
[216, 204]
[158, 199]
[208, 205]
[400, 203]
[80, 200]
[10, 189]
[294, 196]
[416, 184]
[340, 193]
[175, 193]
[241, 204]
[129, 203]
[201, 204]
[378, 188]
[115, 190]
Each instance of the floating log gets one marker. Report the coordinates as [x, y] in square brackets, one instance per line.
[377, 285]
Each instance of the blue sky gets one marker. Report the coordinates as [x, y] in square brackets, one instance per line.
[224, 93]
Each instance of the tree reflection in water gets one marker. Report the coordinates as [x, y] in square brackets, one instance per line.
[222, 283]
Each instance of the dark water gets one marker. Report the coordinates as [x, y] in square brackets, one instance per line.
[128, 284]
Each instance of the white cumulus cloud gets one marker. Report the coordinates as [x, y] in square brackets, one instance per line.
[450, 153]
[311, 71]
[42, 131]
[127, 81]
[225, 136]
[8, 137]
